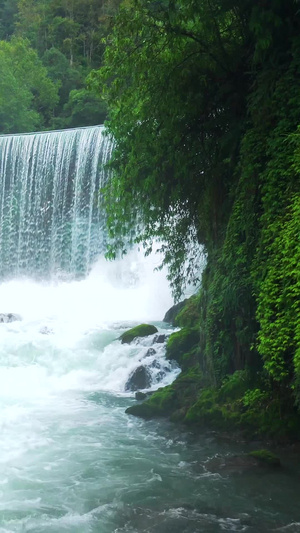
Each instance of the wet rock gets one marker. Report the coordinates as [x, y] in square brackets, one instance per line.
[159, 339]
[161, 374]
[161, 403]
[155, 364]
[143, 330]
[9, 317]
[171, 314]
[139, 379]
[150, 352]
[140, 396]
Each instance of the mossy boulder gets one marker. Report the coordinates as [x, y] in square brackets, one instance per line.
[143, 330]
[185, 313]
[173, 400]
[205, 411]
[161, 403]
[181, 345]
[171, 314]
[189, 315]
[140, 396]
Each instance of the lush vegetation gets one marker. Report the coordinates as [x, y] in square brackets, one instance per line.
[204, 107]
[203, 103]
[47, 49]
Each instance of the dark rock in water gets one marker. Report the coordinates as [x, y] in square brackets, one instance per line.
[159, 339]
[140, 396]
[9, 317]
[155, 364]
[150, 352]
[173, 312]
[46, 331]
[162, 370]
[230, 464]
[143, 330]
[161, 374]
[139, 379]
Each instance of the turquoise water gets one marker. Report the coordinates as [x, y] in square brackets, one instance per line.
[71, 460]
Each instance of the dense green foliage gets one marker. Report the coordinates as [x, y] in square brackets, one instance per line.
[204, 107]
[63, 39]
[176, 92]
[27, 95]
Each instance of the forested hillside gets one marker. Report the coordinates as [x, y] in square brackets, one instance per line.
[47, 49]
[204, 106]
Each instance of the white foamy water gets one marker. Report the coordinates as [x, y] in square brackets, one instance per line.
[62, 371]
[71, 460]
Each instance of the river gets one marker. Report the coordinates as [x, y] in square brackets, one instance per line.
[71, 460]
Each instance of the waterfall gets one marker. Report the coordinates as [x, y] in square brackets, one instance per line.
[51, 223]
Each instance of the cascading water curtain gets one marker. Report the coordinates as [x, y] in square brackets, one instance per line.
[51, 222]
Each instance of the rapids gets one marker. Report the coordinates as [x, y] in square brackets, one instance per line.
[71, 460]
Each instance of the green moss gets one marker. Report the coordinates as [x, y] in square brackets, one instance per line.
[143, 330]
[173, 400]
[180, 344]
[265, 456]
[161, 403]
[189, 315]
[172, 313]
[189, 400]
[205, 409]
[234, 386]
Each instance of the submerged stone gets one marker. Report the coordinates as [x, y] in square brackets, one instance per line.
[9, 317]
[235, 464]
[266, 457]
[143, 330]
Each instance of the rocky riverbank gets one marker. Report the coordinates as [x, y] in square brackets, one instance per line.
[238, 403]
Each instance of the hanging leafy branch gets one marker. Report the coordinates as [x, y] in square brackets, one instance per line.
[171, 82]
